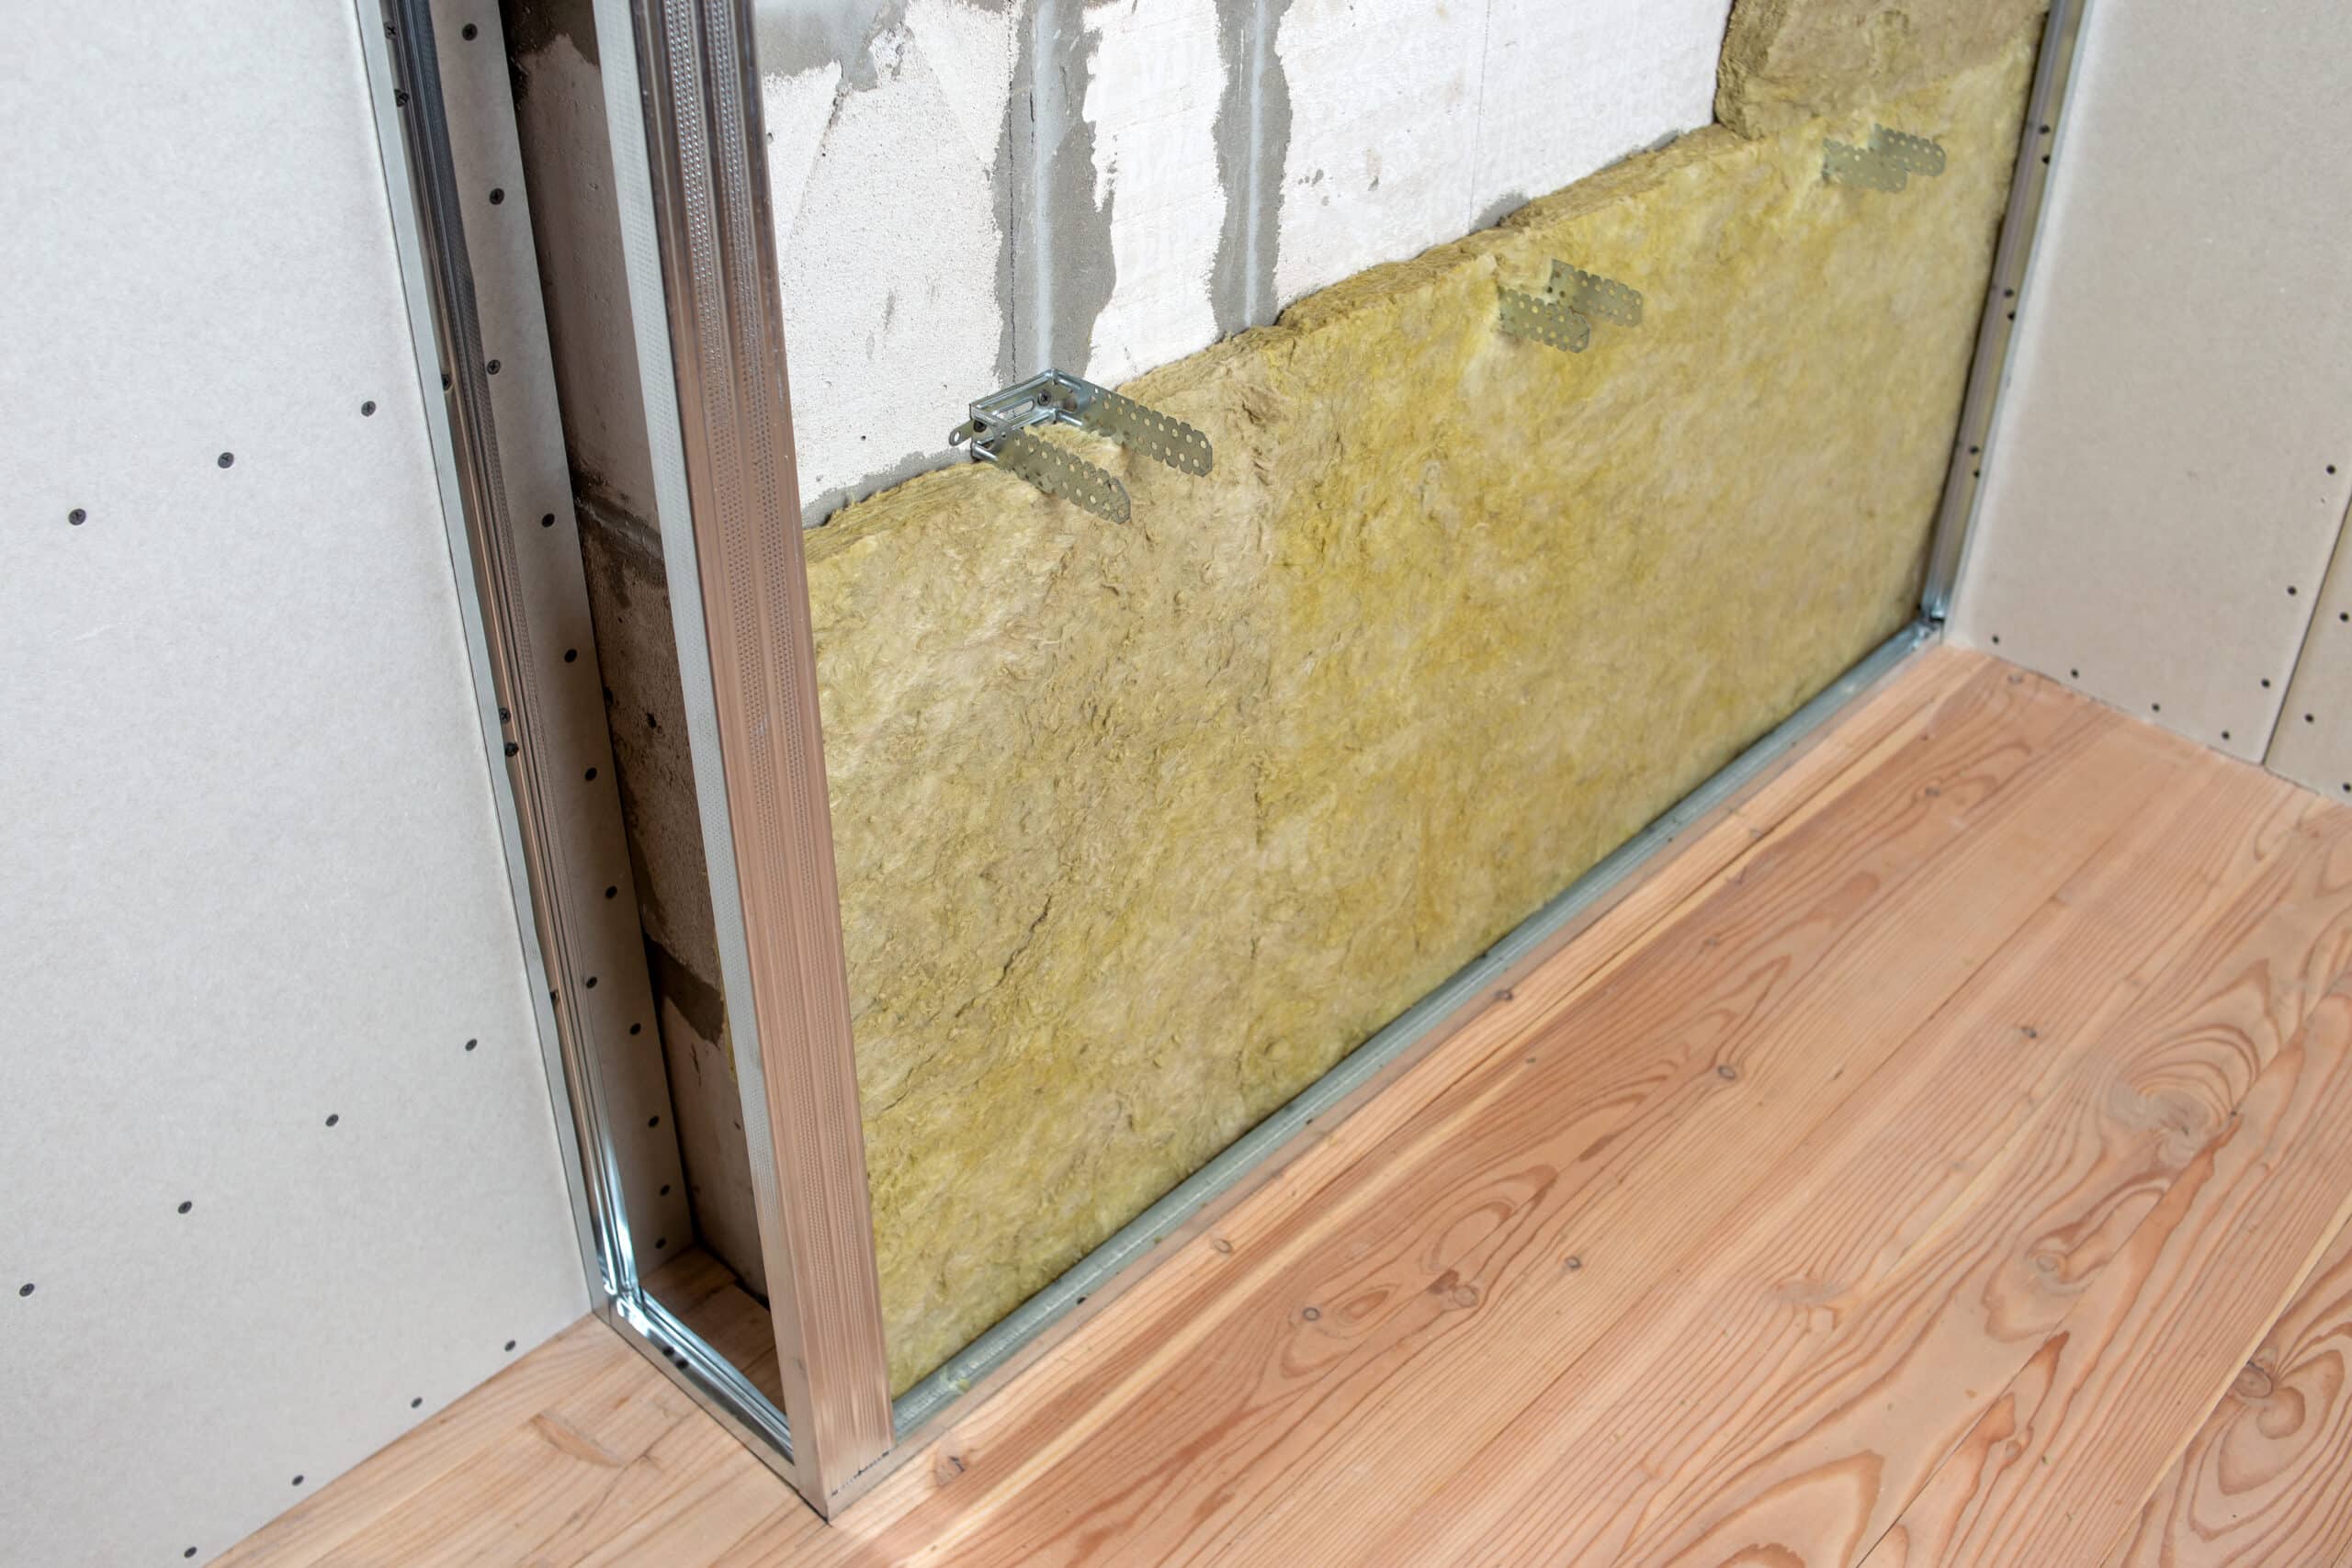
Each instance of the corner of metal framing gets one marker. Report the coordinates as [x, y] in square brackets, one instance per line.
[549, 853]
[1988, 373]
[412, 138]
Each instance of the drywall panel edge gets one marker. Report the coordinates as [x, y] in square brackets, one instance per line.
[2314, 743]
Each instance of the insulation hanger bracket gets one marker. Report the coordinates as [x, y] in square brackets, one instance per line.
[1002, 431]
[1562, 316]
[1887, 163]
[1596, 298]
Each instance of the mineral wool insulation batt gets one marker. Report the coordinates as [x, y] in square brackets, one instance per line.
[1141, 829]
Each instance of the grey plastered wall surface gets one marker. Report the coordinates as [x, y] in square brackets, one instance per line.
[2173, 455]
[283, 1173]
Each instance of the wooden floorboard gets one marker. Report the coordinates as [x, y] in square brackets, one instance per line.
[2267, 1478]
[1905, 1170]
[2156, 1331]
[706, 1295]
[1655, 1430]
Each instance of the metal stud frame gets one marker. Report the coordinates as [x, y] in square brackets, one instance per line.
[693, 193]
[722, 430]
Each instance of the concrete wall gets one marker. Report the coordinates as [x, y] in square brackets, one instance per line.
[966, 192]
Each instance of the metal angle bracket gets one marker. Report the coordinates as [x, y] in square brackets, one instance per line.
[1562, 316]
[1887, 163]
[1000, 432]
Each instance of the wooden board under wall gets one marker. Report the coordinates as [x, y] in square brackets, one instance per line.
[1827, 1316]
[2263, 1481]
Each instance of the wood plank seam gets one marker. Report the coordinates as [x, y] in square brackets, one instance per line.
[1868, 1179]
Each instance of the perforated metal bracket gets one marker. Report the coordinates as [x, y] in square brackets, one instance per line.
[1060, 475]
[1000, 429]
[1887, 163]
[1592, 295]
[1546, 318]
[1562, 316]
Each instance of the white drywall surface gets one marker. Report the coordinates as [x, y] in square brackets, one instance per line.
[255, 901]
[2172, 457]
[2313, 742]
[933, 248]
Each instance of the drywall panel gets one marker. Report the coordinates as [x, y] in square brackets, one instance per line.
[1569, 89]
[283, 1172]
[2173, 454]
[2314, 743]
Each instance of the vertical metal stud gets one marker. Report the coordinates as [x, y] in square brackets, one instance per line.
[700, 90]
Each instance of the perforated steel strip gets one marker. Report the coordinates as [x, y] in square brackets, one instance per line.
[1155, 435]
[1842, 163]
[1545, 320]
[1064, 477]
[1589, 294]
[1914, 154]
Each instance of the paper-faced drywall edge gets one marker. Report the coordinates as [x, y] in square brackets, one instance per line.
[2314, 743]
[2174, 454]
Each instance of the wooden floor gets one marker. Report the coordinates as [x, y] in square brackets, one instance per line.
[1945, 1159]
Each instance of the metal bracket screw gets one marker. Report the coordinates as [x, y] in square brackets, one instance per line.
[1887, 163]
[1000, 429]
